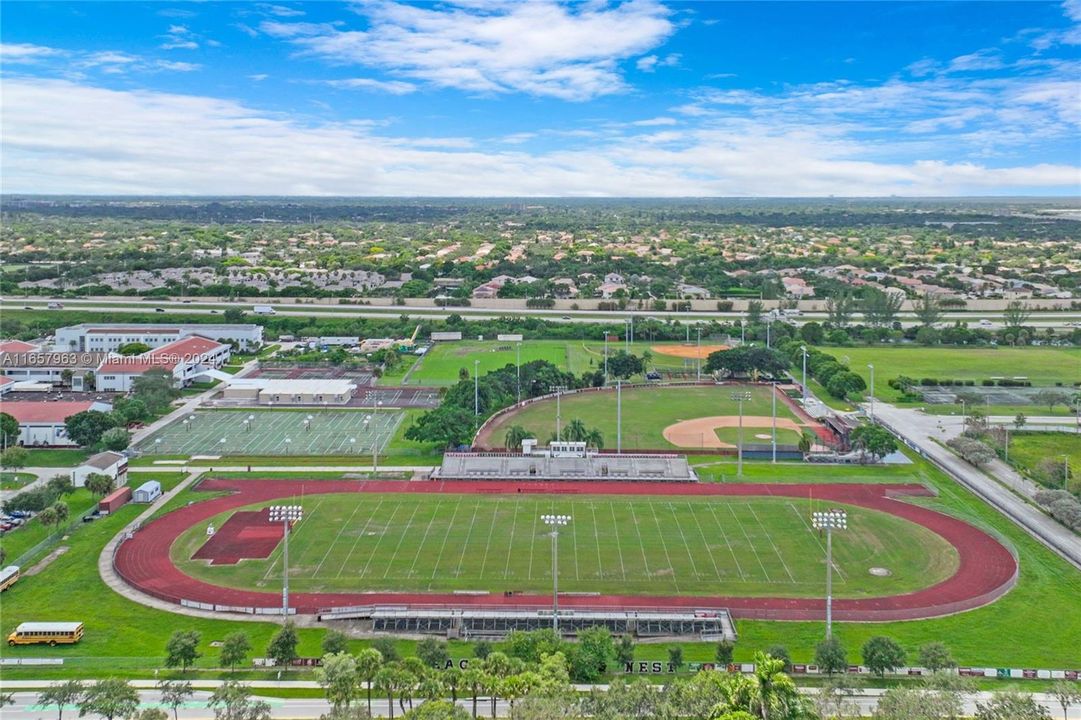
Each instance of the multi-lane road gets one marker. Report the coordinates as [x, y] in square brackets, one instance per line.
[319, 307]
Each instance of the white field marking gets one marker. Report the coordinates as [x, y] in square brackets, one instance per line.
[619, 545]
[750, 542]
[532, 540]
[308, 514]
[772, 544]
[510, 543]
[335, 540]
[443, 547]
[382, 535]
[420, 548]
[597, 540]
[401, 541]
[488, 542]
[363, 533]
[728, 544]
[686, 545]
[574, 539]
[705, 541]
[821, 545]
[465, 546]
[641, 544]
[664, 543]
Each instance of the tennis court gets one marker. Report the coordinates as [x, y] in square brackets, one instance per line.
[275, 432]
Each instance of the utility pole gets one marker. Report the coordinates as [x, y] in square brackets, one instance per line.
[606, 357]
[619, 416]
[773, 397]
[803, 349]
[872, 368]
[518, 364]
[698, 352]
[476, 388]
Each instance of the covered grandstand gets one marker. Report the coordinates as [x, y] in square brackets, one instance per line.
[710, 624]
[565, 461]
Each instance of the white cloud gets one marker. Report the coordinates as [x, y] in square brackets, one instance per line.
[655, 121]
[110, 141]
[540, 48]
[647, 63]
[258, 77]
[179, 37]
[281, 10]
[25, 52]
[394, 87]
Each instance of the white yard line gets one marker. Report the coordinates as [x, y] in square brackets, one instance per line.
[705, 541]
[769, 536]
[488, 542]
[619, 545]
[686, 545]
[664, 543]
[597, 540]
[334, 542]
[510, 543]
[443, 547]
[363, 533]
[532, 540]
[420, 548]
[465, 547]
[814, 534]
[728, 544]
[749, 542]
[641, 543]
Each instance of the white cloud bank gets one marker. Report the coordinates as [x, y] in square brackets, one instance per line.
[110, 141]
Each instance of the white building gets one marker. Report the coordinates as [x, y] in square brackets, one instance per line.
[148, 492]
[113, 464]
[41, 424]
[51, 367]
[289, 392]
[109, 338]
[186, 359]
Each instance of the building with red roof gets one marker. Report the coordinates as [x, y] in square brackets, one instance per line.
[41, 423]
[185, 358]
[13, 346]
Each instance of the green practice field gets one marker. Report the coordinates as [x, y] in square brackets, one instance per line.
[647, 412]
[276, 432]
[647, 545]
[441, 364]
[1044, 366]
[1029, 449]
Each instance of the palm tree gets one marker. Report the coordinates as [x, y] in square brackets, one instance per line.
[386, 681]
[369, 662]
[62, 512]
[47, 516]
[594, 438]
[515, 435]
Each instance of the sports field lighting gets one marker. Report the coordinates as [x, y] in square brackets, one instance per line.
[476, 388]
[308, 423]
[698, 353]
[1065, 471]
[803, 349]
[555, 522]
[518, 367]
[829, 520]
[288, 441]
[773, 411]
[352, 446]
[558, 389]
[872, 369]
[287, 515]
[740, 397]
[605, 357]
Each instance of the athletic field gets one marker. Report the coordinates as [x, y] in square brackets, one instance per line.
[616, 544]
[648, 411]
[275, 432]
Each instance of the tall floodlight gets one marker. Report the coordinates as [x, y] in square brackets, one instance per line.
[555, 522]
[605, 357]
[619, 416]
[288, 515]
[559, 410]
[769, 330]
[872, 369]
[698, 352]
[803, 349]
[829, 520]
[773, 399]
[740, 397]
[518, 367]
[476, 387]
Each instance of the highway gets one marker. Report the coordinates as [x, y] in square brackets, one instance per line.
[308, 307]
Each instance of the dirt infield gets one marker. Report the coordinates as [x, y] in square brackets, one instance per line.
[699, 432]
[986, 569]
[687, 351]
[246, 534]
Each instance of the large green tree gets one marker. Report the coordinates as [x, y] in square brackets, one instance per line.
[112, 698]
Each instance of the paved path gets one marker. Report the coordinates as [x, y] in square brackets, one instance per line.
[43, 475]
[1004, 489]
[227, 466]
[26, 705]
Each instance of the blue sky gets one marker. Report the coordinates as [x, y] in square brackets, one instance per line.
[490, 98]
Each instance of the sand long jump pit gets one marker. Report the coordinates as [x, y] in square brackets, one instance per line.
[687, 351]
[702, 432]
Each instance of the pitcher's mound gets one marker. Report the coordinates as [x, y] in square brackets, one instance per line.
[687, 351]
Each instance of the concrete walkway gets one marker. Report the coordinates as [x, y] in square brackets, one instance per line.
[1003, 488]
[43, 475]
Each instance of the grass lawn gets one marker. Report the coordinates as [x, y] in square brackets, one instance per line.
[56, 457]
[646, 412]
[1044, 366]
[584, 356]
[15, 480]
[649, 546]
[1028, 449]
[440, 366]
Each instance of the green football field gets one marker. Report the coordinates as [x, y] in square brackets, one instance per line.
[275, 432]
[1044, 366]
[647, 412]
[617, 544]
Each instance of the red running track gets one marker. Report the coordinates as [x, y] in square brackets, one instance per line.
[987, 569]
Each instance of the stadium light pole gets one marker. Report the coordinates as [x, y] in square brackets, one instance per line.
[1065, 472]
[829, 520]
[555, 522]
[698, 352]
[605, 357]
[872, 369]
[740, 397]
[559, 409]
[619, 417]
[769, 330]
[803, 349]
[476, 388]
[742, 332]
[773, 398]
[518, 367]
[288, 515]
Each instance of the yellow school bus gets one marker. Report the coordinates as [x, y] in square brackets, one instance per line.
[8, 576]
[53, 633]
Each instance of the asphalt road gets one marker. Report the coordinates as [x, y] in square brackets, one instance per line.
[150, 307]
[26, 706]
